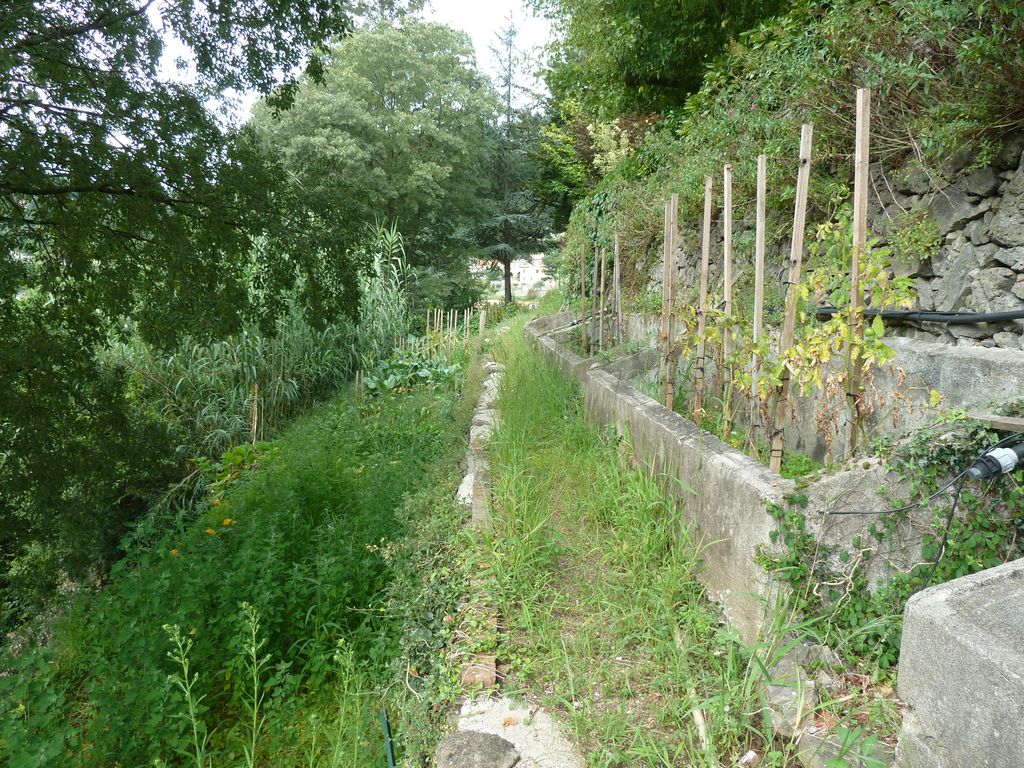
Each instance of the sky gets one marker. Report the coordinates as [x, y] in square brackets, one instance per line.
[483, 18]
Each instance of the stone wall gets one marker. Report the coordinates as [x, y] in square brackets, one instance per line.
[960, 659]
[979, 211]
[977, 205]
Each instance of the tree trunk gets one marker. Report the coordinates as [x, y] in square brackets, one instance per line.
[508, 280]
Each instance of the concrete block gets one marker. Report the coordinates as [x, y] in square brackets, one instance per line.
[962, 673]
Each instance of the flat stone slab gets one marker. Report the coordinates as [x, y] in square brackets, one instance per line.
[475, 749]
[534, 733]
[962, 672]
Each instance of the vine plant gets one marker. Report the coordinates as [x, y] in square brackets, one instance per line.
[808, 360]
[865, 624]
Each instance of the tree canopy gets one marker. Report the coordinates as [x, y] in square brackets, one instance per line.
[127, 205]
[397, 130]
[640, 55]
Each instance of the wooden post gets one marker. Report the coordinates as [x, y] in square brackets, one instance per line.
[759, 248]
[727, 296]
[796, 254]
[673, 242]
[583, 286]
[617, 290]
[663, 334]
[702, 304]
[862, 156]
[600, 330]
[593, 306]
[483, 321]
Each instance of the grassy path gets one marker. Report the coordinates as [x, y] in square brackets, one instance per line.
[595, 573]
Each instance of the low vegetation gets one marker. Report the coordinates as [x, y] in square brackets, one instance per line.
[595, 572]
[259, 625]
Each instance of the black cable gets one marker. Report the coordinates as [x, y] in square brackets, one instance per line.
[945, 534]
[921, 315]
[905, 508]
[1006, 440]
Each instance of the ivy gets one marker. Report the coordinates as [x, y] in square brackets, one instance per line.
[864, 623]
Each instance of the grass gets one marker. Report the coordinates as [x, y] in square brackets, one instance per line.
[595, 572]
[262, 626]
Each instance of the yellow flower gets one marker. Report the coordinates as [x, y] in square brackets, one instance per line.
[211, 531]
[174, 553]
[216, 502]
[228, 521]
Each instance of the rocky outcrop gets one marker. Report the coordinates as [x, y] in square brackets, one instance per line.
[979, 212]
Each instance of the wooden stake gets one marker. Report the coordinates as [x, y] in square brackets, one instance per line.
[702, 304]
[673, 242]
[759, 248]
[862, 157]
[483, 321]
[583, 285]
[600, 329]
[727, 296]
[796, 254]
[663, 335]
[593, 306]
[617, 272]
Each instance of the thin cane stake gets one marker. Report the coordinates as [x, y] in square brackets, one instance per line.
[795, 259]
[702, 304]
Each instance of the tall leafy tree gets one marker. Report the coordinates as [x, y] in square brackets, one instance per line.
[519, 222]
[621, 56]
[398, 130]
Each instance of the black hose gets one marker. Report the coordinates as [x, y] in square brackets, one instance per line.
[952, 318]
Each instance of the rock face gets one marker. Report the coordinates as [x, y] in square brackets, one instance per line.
[473, 749]
[791, 698]
[1007, 227]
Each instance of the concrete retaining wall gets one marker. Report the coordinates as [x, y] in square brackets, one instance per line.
[962, 673]
[962, 657]
[899, 399]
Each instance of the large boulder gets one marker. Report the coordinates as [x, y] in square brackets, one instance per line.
[952, 209]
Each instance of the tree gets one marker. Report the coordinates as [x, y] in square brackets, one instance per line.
[125, 204]
[397, 131]
[519, 222]
[630, 56]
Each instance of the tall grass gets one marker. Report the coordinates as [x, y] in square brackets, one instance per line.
[245, 388]
[383, 302]
[275, 591]
[596, 572]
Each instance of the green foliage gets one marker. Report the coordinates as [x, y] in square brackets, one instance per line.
[914, 237]
[153, 409]
[640, 55]
[398, 130]
[407, 368]
[519, 221]
[864, 622]
[243, 388]
[302, 543]
[944, 75]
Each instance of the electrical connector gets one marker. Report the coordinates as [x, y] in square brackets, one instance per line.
[997, 461]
